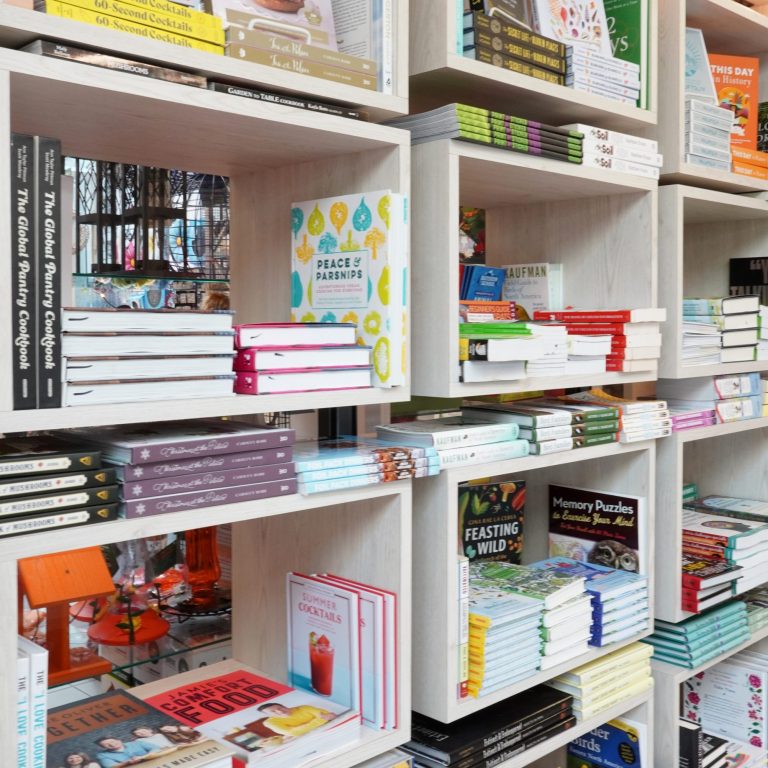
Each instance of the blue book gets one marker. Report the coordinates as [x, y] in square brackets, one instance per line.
[601, 582]
[691, 649]
[353, 451]
[482, 283]
[725, 305]
[617, 744]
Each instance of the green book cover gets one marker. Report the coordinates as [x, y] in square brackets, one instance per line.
[493, 330]
[628, 22]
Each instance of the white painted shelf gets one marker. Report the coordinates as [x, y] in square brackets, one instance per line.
[19, 26]
[537, 209]
[439, 75]
[628, 469]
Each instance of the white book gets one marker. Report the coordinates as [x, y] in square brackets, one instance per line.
[589, 345]
[280, 358]
[145, 344]
[23, 711]
[260, 335]
[513, 349]
[307, 380]
[533, 286]
[623, 153]
[603, 135]
[737, 354]
[102, 392]
[575, 55]
[78, 369]
[635, 366]
[82, 320]
[576, 650]
[577, 636]
[605, 93]
[473, 371]
[482, 454]
[575, 367]
[583, 68]
[38, 675]
[640, 353]
[739, 338]
[699, 83]
[449, 432]
[593, 160]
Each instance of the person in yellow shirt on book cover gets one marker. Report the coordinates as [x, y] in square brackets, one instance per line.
[294, 721]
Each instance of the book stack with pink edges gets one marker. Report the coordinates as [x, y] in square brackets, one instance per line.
[278, 358]
[179, 466]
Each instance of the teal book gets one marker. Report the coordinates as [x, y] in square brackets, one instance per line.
[693, 647]
[724, 614]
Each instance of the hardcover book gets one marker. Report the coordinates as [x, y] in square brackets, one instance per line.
[598, 527]
[729, 506]
[44, 455]
[723, 531]
[448, 432]
[736, 85]
[534, 287]
[617, 744]
[749, 276]
[491, 520]
[577, 23]
[349, 261]
[117, 729]
[603, 583]
[337, 453]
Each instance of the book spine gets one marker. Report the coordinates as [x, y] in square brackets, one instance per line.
[584, 441]
[63, 462]
[481, 22]
[139, 14]
[516, 65]
[387, 47]
[623, 153]
[463, 629]
[65, 519]
[32, 486]
[48, 258]
[479, 454]
[495, 43]
[38, 699]
[23, 735]
[23, 274]
[604, 136]
[376, 467]
[284, 100]
[61, 51]
[502, 757]
[196, 500]
[207, 480]
[67, 11]
[481, 435]
[169, 8]
[52, 502]
[551, 446]
[303, 66]
[621, 166]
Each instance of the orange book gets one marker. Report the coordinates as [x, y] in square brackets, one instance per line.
[750, 156]
[747, 169]
[736, 84]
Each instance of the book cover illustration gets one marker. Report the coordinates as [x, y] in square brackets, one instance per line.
[617, 744]
[349, 261]
[596, 527]
[698, 76]
[736, 84]
[628, 30]
[748, 276]
[507, 578]
[117, 729]
[472, 235]
[324, 640]
[580, 23]
[264, 721]
[491, 520]
[534, 287]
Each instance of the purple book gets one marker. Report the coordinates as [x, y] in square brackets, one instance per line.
[142, 489]
[216, 463]
[150, 443]
[182, 502]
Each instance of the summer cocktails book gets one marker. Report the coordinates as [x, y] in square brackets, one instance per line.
[349, 256]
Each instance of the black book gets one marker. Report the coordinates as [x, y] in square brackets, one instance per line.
[748, 276]
[23, 274]
[690, 745]
[451, 742]
[26, 456]
[48, 259]
[713, 749]
[68, 518]
[51, 502]
[36, 485]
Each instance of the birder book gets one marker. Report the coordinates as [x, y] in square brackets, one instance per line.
[349, 261]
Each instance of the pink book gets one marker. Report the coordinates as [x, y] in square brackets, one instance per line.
[301, 380]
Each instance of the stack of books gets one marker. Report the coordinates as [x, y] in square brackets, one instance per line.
[504, 628]
[749, 162]
[175, 466]
[756, 601]
[619, 599]
[639, 419]
[498, 129]
[690, 492]
[394, 759]
[551, 425]
[707, 134]
[619, 152]
[605, 682]
[47, 483]
[603, 75]
[31, 670]
[723, 528]
[498, 41]
[496, 734]
[712, 400]
[132, 355]
[634, 334]
[707, 582]
[162, 20]
[720, 330]
[700, 638]
[499, 351]
[459, 440]
[761, 352]
[277, 358]
[699, 749]
[349, 462]
[482, 311]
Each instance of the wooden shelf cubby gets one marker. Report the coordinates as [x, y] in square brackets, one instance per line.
[600, 224]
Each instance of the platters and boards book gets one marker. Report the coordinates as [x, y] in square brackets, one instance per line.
[349, 261]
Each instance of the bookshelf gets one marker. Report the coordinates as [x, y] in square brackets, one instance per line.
[668, 679]
[699, 231]
[615, 468]
[19, 26]
[728, 27]
[439, 76]
[537, 209]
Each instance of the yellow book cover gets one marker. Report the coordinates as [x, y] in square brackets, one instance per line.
[627, 692]
[606, 664]
[75, 13]
[170, 8]
[152, 18]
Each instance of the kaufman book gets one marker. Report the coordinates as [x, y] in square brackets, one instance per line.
[448, 432]
[491, 520]
[533, 287]
[597, 527]
[349, 262]
[23, 273]
[118, 729]
[266, 722]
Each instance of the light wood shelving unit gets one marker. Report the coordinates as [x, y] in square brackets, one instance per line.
[274, 156]
[729, 28]
[440, 75]
[600, 224]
